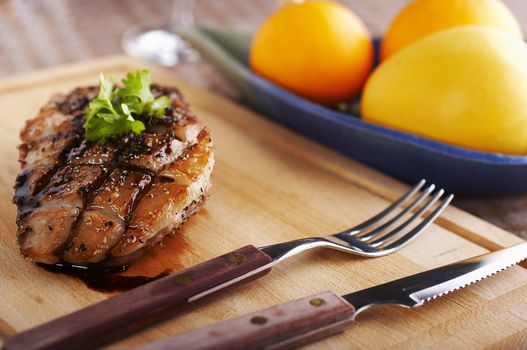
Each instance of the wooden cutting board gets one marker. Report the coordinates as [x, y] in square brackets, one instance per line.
[270, 185]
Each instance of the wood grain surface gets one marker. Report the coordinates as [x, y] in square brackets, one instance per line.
[271, 185]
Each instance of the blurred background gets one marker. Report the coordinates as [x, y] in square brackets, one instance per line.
[36, 34]
[42, 33]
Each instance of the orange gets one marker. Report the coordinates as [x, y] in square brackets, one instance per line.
[465, 86]
[423, 17]
[318, 49]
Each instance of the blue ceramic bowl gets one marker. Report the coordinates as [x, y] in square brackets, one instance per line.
[403, 155]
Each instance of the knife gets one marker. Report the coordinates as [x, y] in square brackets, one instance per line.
[319, 316]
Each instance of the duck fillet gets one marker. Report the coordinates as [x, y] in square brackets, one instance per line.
[103, 204]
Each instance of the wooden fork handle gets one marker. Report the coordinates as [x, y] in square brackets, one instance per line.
[284, 326]
[129, 310]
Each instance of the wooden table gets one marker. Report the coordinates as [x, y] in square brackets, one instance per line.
[37, 34]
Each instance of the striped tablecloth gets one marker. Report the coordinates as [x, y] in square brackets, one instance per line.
[42, 33]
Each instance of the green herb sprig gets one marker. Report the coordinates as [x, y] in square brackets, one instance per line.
[117, 112]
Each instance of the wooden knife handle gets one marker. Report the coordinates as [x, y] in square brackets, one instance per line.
[284, 326]
[130, 310]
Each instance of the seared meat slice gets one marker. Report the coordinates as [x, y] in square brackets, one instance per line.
[55, 130]
[173, 197]
[60, 115]
[104, 221]
[87, 154]
[46, 151]
[45, 230]
[85, 203]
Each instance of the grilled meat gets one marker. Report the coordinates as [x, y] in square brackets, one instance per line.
[87, 203]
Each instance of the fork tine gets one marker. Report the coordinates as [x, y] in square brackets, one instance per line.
[378, 230]
[419, 228]
[373, 220]
[399, 228]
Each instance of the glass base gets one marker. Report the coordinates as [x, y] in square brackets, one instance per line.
[159, 45]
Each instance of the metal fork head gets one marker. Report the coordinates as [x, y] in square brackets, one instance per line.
[384, 233]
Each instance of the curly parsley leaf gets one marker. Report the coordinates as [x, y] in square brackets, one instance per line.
[136, 126]
[117, 112]
[103, 102]
[159, 105]
[137, 85]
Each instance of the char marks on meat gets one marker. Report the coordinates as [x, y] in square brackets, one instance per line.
[88, 203]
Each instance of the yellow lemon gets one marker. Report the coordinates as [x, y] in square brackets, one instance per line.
[423, 17]
[318, 49]
[466, 86]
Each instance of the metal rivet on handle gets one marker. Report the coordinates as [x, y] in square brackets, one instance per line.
[236, 258]
[317, 302]
[258, 320]
[182, 280]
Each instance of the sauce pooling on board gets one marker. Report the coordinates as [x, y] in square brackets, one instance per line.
[101, 280]
[158, 261]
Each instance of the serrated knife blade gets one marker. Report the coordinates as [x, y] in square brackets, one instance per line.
[414, 290]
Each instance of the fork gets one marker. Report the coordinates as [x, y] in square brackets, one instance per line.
[131, 310]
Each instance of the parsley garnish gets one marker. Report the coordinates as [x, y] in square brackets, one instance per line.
[114, 113]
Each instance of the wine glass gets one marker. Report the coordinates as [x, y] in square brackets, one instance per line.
[162, 44]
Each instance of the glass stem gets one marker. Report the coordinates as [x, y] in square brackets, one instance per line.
[182, 14]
